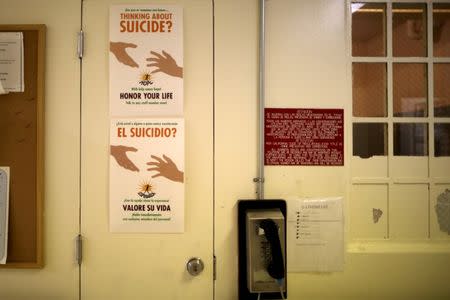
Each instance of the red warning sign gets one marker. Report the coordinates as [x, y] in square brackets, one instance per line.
[304, 137]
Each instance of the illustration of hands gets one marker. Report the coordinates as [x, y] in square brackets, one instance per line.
[166, 169]
[165, 64]
[120, 155]
[119, 51]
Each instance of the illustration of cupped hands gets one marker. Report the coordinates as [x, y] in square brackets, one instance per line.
[120, 155]
[165, 167]
[163, 62]
[119, 51]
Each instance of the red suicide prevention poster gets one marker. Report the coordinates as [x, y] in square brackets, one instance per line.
[146, 60]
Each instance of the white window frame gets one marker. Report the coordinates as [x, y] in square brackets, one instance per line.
[424, 245]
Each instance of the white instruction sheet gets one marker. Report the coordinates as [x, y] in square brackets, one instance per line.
[4, 203]
[2, 90]
[11, 61]
[315, 235]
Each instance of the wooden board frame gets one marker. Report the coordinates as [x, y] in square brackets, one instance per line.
[25, 240]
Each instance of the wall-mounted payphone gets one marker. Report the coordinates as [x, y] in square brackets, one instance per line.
[262, 249]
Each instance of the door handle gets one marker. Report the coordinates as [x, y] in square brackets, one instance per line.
[195, 266]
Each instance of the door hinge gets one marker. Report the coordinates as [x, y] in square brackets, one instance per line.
[79, 249]
[80, 44]
[214, 268]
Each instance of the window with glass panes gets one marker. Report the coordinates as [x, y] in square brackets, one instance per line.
[400, 167]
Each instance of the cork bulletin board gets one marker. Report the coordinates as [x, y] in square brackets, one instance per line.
[22, 149]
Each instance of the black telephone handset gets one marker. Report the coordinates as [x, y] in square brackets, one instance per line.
[276, 265]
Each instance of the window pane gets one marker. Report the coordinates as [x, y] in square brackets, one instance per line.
[408, 211]
[369, 139]
[410, 90]
[369, 90]
[442, 139]
[410, 139]
[442, 89]
[368, 29]
[441, 29]
[409, 29]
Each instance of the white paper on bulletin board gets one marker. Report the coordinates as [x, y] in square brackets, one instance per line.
[4, 207]
[2, 90]
[146, 175]
[146, 60]
[315, 235]
[11, 62]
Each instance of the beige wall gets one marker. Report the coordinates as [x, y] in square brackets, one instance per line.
[58, 279]
[307, 67]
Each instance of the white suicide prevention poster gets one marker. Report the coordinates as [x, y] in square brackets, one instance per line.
[146, 60]
[147, 175]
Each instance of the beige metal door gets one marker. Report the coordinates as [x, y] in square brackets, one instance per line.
[147, 266]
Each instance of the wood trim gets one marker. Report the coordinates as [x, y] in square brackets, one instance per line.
[40, 187]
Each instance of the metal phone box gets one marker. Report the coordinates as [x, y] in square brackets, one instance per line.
[259, 250]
